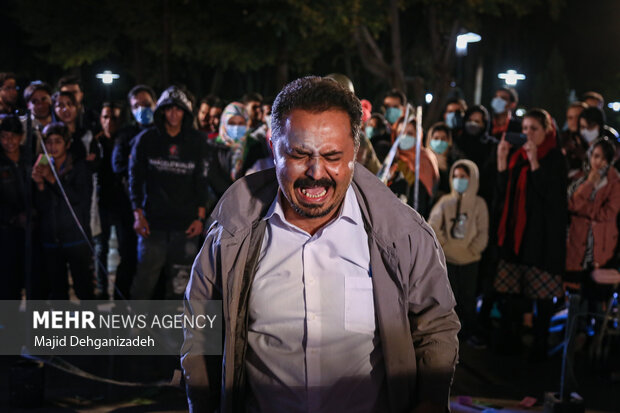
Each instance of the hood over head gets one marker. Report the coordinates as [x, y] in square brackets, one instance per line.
[173, 96]
[474, 178]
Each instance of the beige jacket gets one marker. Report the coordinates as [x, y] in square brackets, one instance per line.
[469, 249]
[414, 304]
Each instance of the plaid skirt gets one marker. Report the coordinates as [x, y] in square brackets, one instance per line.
[532, 282]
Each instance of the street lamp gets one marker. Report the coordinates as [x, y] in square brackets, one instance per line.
[107, 77]
[463, 39]
[428, 98]
[511, 77]
[615, 106]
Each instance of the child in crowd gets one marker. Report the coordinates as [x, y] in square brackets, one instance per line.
[461, 221]
[63, 242]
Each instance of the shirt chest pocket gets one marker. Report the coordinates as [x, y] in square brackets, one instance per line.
[359, 308]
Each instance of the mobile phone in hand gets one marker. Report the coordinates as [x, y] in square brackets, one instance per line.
[516, 139]
[42, 160]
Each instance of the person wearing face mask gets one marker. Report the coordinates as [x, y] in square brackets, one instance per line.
[167, 186]
[573, 145]
[531, 235]
[402, 171]
[439, 141]
[460, 220]
[503, 105]
[453, 115]
[233, 131]
[593, 204]
[141, 100]
[377, 130]
[394, 104]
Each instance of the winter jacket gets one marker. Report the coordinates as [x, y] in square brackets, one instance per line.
[167, 174]
[12, 190]
[414, 304]
[599, 214]
[466, 250]
[57, 223]
[544, 240]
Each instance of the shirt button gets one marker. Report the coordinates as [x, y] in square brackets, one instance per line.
[312, 317]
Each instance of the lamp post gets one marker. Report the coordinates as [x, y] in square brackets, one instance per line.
[463, 39]
[107, 78]
[511, 77]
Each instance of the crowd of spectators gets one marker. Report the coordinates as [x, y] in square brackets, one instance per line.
[523, 208]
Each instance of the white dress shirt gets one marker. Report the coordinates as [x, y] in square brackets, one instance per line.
[312, 339]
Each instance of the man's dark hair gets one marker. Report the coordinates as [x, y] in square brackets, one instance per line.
[70, 80]
[4, 76]
[252, 97]
[593, 95]
[399, 94]
[70, 95]
[141, 88]
[212, 101]
[56, 128]
[514, 96]
[460, 102]
[11, 123]
[593, 114]
[34, 86]
[316, 94]
[441, 127]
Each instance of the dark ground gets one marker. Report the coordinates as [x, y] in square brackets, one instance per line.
[480, 374]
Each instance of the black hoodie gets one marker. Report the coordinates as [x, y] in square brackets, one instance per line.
[166, 174]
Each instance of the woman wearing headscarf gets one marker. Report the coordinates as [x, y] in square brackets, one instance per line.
[593, 204]
[532, 228]
[233, 129]
[402, 171]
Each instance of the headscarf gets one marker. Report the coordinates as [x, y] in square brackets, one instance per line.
[232, 109]
[429, 171]
[519, 201]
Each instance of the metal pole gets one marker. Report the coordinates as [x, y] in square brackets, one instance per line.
[418, 142]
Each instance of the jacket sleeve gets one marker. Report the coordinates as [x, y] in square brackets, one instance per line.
[137, 173]
[200, 175]
[581, 204]
[120, 154]
[433, 322]
[549, 180]
[200, 371]
[480, 241]
[436, 221]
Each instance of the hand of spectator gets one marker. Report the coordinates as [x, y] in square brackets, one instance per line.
[194, 229]
[141, 226]
[594, 176]
[502, 154]
[532, 154]
[46, 173]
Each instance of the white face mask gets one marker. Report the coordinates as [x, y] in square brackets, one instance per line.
[589, 134]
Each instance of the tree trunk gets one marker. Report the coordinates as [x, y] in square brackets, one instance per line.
[166, 45]
[282, 68]
[397, 77]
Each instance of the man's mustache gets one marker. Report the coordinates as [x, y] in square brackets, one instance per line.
[313, 183]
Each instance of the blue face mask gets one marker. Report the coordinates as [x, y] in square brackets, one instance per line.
[438, 146]
[454, 120]
[370, 132]
[143, 115]
[235, 132]
[392, 114]
[498, 105]
[406, 142]
[460, 184]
